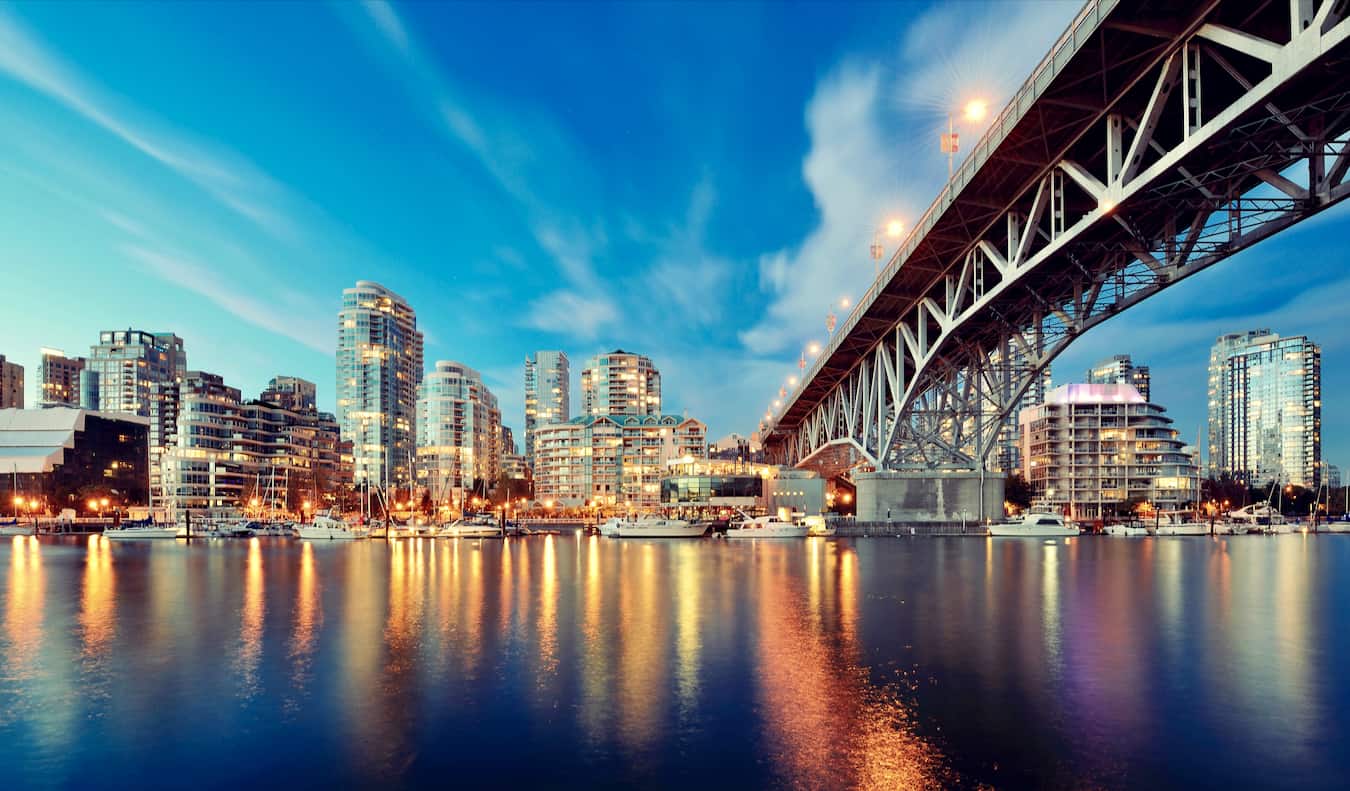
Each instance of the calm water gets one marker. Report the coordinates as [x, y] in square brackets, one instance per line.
[587, 662]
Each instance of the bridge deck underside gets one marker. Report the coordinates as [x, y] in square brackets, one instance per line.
[1168, 141]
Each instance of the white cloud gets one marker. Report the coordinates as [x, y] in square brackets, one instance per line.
[208, 282]
[232, 180]
[873, 128]
[569, 313]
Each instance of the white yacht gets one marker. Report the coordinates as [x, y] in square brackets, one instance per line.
[658, 527]
[610, 527]
[472, 526]
[136, 531]
[1034, 525]
[766, 527]
[327, 526]
[1133, 530]
[1177, 525]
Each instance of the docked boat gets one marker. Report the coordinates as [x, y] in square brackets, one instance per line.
[1132, 530]
[13, 527]
[328, 527]
[658, 527]
[766, 527]
[1180, 523]
[472, 526]
[1034, 525]
[137, 531]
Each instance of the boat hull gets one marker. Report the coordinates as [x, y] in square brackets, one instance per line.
[469, 532]
[1031, 531]
[1189, 529]
[1122, 530]
[140, 535]
[661, 531]
[772, 531]
[321, 533]
[16, 530]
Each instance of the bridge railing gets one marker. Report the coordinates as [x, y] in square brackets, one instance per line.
[1063, 50]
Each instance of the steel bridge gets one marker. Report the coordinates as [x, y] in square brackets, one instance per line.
[1153, 141]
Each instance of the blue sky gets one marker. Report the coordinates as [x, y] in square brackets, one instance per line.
[698, 182]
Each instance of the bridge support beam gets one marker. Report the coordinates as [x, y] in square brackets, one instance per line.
[929, 496]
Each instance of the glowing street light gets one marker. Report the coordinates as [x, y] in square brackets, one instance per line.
[894, 229]
[974, 112]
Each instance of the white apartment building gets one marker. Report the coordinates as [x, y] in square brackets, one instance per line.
[379, 366]
[612, 461]
[1265, 408]
[1089, 450]
[459, 434]
[620, 383]
[547, 381]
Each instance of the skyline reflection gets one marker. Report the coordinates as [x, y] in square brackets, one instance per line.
[864, 664]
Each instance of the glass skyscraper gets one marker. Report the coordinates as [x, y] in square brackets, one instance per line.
[621, 383]
[547, 381]
[131, 365]
[1265, 408]
[379, 366]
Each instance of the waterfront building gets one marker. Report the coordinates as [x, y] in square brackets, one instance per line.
[620, 383]
[513, 464]
[379, 367]
[1265, 408]
[1120, 370]
[459, 434]
[291, 392]
[60, 383]
[220, 453]
[62, 456]
[129, 366]
[722, 484]
[11, 384]
[612, 460]
[1094, 450]
[547, 399]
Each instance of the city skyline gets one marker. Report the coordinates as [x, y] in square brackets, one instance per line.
[186, 208]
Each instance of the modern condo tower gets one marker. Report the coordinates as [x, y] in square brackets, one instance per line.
[459, 434]
[130, 365]
[1120, 370]
[1265, 408]
[621, 383]
[547, 381]
[379, 366]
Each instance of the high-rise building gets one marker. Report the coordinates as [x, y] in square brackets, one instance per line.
[379, 367]
[60, 385]
[1092, 450]
[1120, 370]
[547, 381]
[221, 453]
[614, 461]
[291, 392]
[131, 364]
[1333, 476]
[459, 434]
[620, 383]
[11, 384]
[1265, 408]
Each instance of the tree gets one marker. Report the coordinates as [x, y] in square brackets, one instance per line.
[1017, 491]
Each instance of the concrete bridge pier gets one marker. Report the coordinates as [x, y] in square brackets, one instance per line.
[929, 496]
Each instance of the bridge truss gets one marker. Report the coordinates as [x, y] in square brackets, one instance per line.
[1159, 139]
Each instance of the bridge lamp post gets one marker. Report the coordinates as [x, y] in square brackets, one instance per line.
[974, 112]
[894, 229]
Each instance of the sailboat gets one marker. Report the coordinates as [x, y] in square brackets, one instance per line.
[15, 526]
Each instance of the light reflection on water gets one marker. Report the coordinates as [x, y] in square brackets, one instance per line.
[576, 660]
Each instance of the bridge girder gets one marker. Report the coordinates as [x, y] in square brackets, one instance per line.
[1226, 132]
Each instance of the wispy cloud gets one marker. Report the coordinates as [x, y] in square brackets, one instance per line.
[872, 153]
[231, 179]
[207, 281]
